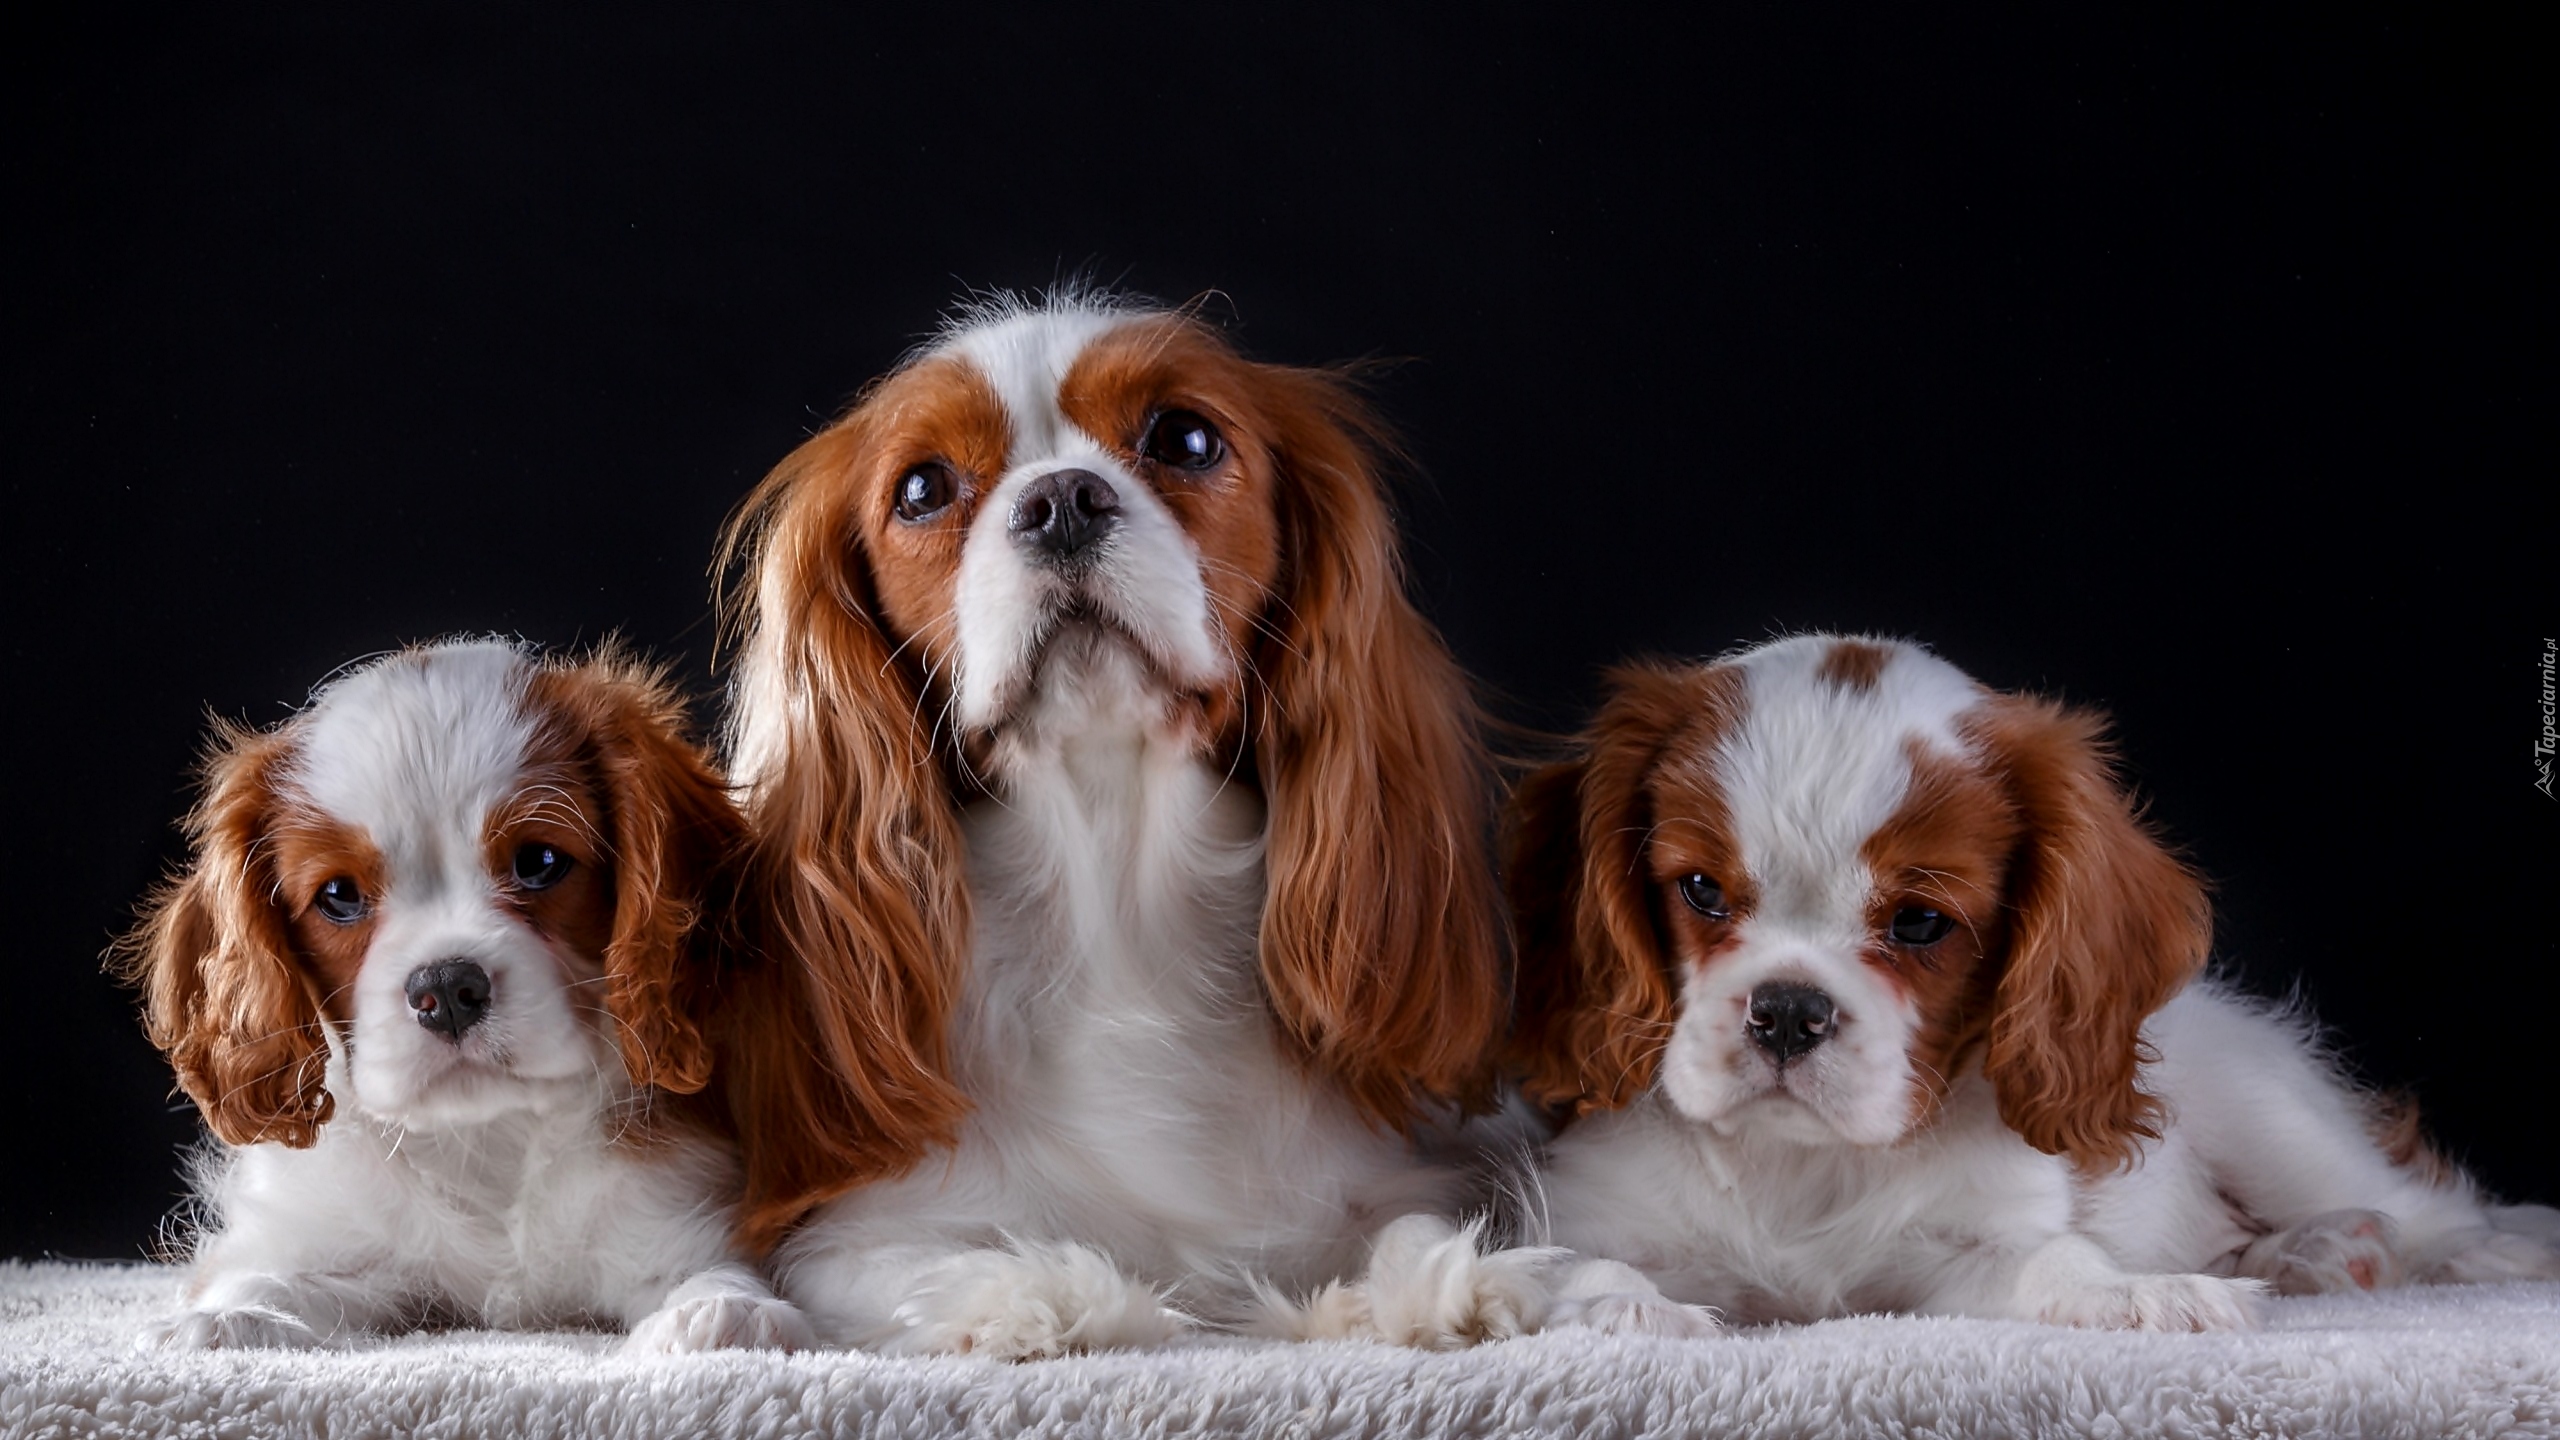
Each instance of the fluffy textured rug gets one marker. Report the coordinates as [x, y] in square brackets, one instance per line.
[2456, 1361]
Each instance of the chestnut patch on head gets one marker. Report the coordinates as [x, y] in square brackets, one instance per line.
[1854, 664]
[1702, 892]
[1945, 851]
[1187, 415]
[911, 464]
[545, 853]
[322, 865]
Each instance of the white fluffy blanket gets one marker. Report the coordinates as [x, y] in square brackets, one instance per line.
[2481, 1360]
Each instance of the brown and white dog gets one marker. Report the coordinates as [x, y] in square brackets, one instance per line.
[436, 976]
[1871, 992]
[1135, 830]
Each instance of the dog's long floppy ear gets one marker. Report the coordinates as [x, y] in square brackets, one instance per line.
[1381, 936]
[1596, 998]
[673, 837]
[2105, 926]
[222, 994]
[853, 901]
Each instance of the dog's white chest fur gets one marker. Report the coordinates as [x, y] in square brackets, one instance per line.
[1130, 1090]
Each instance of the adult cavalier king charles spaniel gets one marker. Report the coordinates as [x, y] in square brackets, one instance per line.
[436, 975]
[1871, 993]
[1133, 830]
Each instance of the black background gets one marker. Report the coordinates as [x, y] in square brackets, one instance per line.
[2168, 364]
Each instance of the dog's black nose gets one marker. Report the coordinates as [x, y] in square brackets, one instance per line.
[449, 996]
[1787, 1020]
[1063, 512]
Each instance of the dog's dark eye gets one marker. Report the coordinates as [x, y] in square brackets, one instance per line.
[926, 490]
[1184, 441]
[1705, 896]
[539, 867]
[1920, 925]
[340, 901]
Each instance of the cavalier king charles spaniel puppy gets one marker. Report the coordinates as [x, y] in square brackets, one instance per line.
[1869, 990]
[436, 976]
[1133, 831]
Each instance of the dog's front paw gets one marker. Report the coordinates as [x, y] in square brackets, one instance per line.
[728, 1320]
[1031, 1302]
[1618, 1299]
[1626, 1314]
[1431, 1286]
[2157, 1302]
[246, 1327]
[2341, 1250]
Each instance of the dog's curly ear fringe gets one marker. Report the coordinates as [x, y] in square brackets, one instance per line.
[2105, 926]
[222, 994]
[1381, 934]
[855, 922]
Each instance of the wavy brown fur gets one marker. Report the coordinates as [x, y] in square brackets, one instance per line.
[223, 995]
[2105, 926]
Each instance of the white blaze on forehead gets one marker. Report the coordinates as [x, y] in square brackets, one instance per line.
[417, 749]
[1149, 584]
[1024, 357]
[1819, 764]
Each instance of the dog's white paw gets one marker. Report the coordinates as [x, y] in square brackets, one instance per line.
[1638, 1314]
[1431, 1286]
[2157, 1302]
[246, 1327]
[1618, 1299]
[2341, 1250]
[728, 1320]
[1031, 1302]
